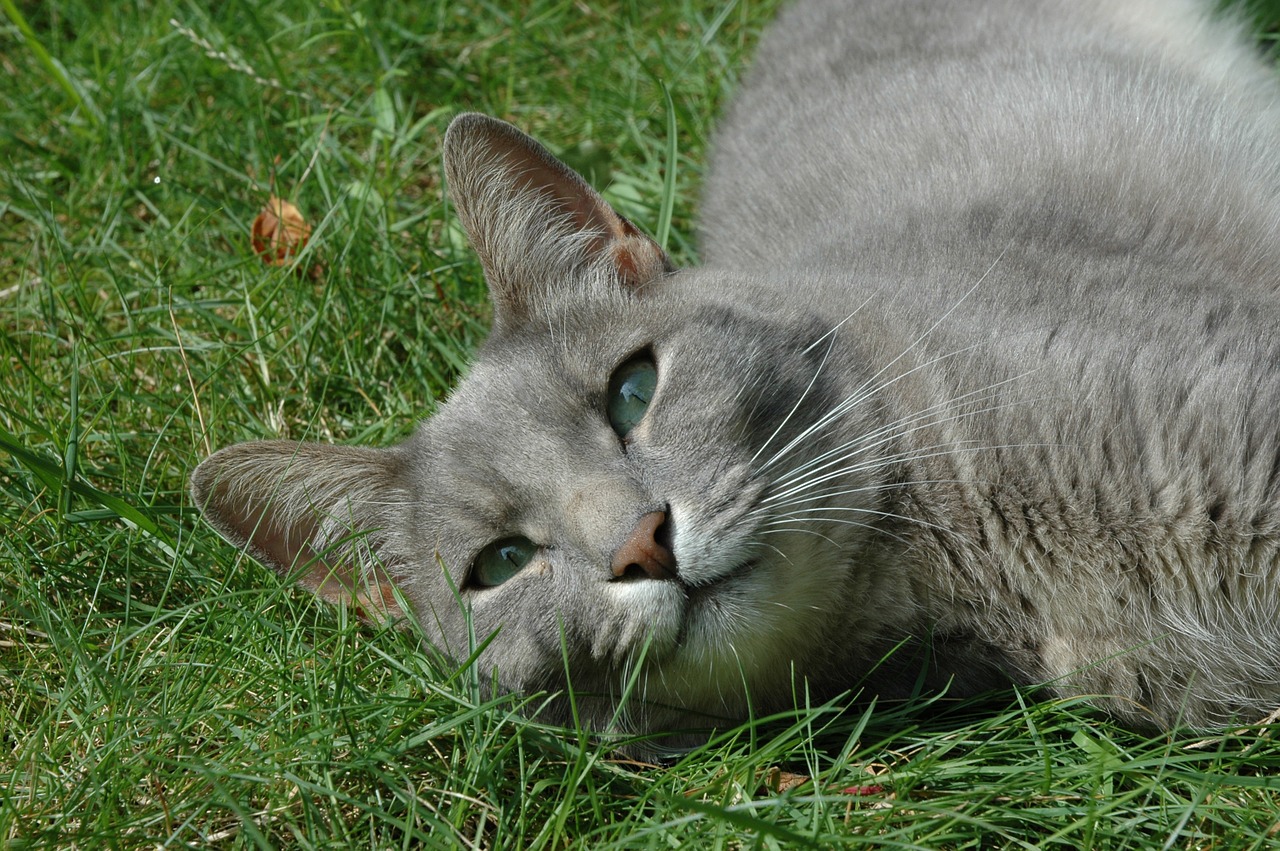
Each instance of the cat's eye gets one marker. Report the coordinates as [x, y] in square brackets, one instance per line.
[630, 390]
[501, 560]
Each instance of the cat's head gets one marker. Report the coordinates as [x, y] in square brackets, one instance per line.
[635, 468]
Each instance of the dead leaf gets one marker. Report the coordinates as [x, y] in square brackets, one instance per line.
[279, 232]
[777, 781]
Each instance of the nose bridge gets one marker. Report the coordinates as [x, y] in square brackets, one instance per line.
[601, 516]
[619, 529]
[601, 510]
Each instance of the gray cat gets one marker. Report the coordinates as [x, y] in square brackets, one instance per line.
[980, 383]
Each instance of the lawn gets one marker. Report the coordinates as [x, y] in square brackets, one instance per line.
[159, 689]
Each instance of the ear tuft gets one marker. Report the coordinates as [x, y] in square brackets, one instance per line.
[637, 258]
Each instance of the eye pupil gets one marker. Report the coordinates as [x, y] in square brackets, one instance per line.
[630, 390]
[501, 560]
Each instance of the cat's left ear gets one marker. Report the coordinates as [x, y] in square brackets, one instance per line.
[324, 515]
[534, 221]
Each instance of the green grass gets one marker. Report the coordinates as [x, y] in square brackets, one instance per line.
[159, 689]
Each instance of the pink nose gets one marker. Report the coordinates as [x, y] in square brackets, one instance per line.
[641, 555]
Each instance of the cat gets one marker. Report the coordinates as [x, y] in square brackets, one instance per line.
[978, 384]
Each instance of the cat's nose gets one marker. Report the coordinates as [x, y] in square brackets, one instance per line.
[643, 555]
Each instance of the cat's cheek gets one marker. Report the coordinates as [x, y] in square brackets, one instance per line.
[708, 550]
[776, 604]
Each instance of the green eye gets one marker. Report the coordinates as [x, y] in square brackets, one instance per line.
[630, 390]
[502, 560]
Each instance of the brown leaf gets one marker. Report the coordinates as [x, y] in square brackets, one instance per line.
[279, 232]
[776, 780]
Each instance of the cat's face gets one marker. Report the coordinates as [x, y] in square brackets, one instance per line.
[631, 471]
[530, 454]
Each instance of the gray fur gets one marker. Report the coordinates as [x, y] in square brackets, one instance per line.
[982, 365]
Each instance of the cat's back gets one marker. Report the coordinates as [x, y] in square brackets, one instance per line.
[1066, 213]
[890, 136]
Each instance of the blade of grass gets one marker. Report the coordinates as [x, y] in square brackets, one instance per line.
[52, 66]
[668, 200]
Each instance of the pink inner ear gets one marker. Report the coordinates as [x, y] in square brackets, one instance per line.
[283, 545]
[336, 581]
[286, 545]
[339, 582]
[532, 171]
[638, 259]
[537, 171]
[378, 604]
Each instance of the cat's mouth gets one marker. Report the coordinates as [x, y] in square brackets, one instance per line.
[704, 598]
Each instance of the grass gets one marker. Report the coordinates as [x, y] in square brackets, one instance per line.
[158, 689]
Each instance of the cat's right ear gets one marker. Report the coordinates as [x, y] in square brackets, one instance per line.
[535, 222]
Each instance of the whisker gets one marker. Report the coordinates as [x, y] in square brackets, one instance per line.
[814, 380]
[868, 526]
[814, 532]
[838, 325]
[850, 403]
[864, 489]
[895, 427]
[862, 393]
[783, 521]
[886, 435]
[913, 455]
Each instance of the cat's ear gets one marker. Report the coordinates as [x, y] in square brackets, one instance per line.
[320, 514]
[534, 221]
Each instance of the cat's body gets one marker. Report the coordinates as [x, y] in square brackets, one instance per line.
[982, 365]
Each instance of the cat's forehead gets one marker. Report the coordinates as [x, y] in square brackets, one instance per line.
[532, 406]
[523, 419]
[577, 340]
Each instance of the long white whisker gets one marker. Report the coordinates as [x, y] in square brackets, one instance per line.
[813, 532]
[945, 449]
[812, 381]
[894, 430]
[849, 403]
[862, 392]
[807, 531]
[864, 489]
[946, 404]
[783, 521]
[834, 328]
[808, 474]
